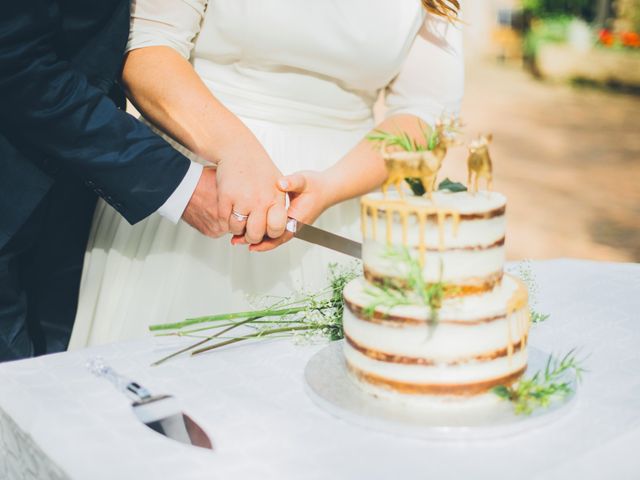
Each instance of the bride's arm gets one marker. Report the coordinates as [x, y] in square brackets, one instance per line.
[163, 85]
[360, 171]
[430, 84]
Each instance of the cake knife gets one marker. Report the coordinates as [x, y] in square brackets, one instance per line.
[160, 413]
[317, 236]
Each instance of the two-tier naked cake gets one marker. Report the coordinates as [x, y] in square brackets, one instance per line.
[477, 340]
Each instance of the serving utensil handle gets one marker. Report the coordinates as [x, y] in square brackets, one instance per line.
[99, 368]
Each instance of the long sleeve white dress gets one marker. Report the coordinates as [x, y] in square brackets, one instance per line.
[303, 76]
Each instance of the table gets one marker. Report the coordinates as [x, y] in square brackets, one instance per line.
[58, 421]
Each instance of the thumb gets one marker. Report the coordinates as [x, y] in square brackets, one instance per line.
[295, 183]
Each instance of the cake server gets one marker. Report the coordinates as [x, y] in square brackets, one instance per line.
[161, 413]
[317, 236]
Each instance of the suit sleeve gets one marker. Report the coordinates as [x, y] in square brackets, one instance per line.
[52, 107]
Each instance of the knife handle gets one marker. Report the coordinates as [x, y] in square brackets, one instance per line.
[99, 368]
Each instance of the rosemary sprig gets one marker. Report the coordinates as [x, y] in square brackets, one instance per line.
[385, 296]
[405, 142]
[544, 386]
[416, 291]
[229, 316]
[317, 314]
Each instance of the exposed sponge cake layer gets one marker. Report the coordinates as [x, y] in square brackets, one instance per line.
[475, 341]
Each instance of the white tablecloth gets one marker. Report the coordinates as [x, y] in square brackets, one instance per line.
[58, 421]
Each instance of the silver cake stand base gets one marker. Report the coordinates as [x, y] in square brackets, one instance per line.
[332, 388]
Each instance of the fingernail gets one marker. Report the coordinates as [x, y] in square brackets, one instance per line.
[283, 184]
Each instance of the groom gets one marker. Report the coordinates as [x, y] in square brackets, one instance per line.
[64, 140]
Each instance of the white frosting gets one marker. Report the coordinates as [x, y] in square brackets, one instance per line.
[443, 374]
[470, 233]
[450, 346]
[446, 403]
[474, 337]
[458, 266]
[446, 341]
[466, 252]
[464, 202]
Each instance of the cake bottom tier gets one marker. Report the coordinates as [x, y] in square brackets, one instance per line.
[478, 343]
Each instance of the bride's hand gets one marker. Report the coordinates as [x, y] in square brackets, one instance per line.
[309, 193]
[247, 186]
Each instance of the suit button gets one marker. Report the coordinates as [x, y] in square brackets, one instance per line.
[89, 183]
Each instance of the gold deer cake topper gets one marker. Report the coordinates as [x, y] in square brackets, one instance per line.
[414, 160]
[479, 163]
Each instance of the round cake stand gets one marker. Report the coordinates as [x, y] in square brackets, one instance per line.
[333, 389]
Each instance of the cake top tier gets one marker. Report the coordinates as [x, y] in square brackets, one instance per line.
[457, 238]
[464, 203]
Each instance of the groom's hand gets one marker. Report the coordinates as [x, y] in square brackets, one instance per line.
[202, 210]
[248, 199]
[310, 195]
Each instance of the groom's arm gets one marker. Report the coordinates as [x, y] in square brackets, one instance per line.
[53, 108]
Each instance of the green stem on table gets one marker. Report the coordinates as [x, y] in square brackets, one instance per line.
[267, 312]
[187, 333]
[248, 337]
[201, 342]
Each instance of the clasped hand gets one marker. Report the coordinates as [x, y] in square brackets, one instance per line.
[240, 196]
[257, 191]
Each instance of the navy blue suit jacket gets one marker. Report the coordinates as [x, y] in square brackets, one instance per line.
[59, 65]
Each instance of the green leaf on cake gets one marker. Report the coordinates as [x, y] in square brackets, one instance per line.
[418, 189]
[416, 186]
[404, 141]
[501, 391]
[545, 386]
[537, 317]
[452, 186]
[413, 290]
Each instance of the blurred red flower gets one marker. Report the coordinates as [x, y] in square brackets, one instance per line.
[630, 39]
[606, 37]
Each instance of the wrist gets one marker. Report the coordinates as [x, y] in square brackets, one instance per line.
[330, 183]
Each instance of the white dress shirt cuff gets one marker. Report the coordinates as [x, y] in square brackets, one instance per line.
[173, 208]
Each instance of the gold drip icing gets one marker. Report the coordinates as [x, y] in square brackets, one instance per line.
[509, 342]
[405, 210]
[519, 298]
[517, 302]
[404, 216]
[422, 244]
[374, 234]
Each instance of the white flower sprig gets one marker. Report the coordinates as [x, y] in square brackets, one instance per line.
[306, 315]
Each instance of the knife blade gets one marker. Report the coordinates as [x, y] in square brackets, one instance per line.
[161, 413]
[317, 236]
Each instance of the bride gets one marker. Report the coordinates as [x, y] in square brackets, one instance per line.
[262, 89]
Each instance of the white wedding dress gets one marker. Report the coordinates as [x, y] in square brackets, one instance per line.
[303, 76]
